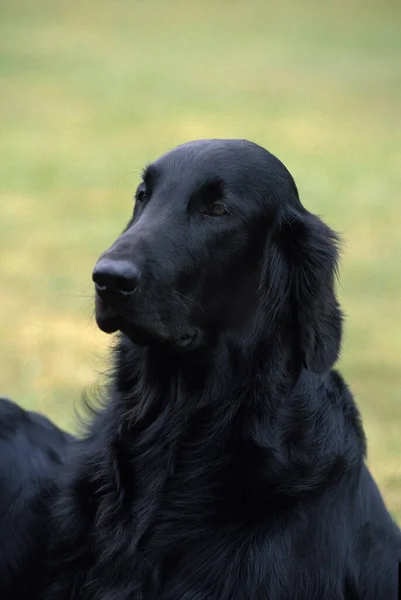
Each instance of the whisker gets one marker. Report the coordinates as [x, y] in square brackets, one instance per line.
[198, 304]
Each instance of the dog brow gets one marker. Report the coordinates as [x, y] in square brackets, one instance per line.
[149, 174]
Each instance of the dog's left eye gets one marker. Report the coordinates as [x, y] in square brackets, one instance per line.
[217, 209]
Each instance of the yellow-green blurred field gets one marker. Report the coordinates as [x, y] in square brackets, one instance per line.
[91, 91]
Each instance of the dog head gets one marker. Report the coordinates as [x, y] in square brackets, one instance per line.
[219, 242]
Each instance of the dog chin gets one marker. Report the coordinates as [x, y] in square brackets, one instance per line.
[138, 336]
[183, 342]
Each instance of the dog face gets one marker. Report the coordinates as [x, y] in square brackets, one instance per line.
[218, 240]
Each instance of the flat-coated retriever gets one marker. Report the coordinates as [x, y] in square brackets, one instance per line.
[228, 460]
[32, 449]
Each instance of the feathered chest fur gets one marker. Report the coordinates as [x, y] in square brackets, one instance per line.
[172, 492]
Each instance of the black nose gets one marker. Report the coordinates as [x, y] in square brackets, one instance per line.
[115, 277]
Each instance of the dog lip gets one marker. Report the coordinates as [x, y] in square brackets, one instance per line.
[145, 336]
[110, 319]
[108, 324]
[187, 339]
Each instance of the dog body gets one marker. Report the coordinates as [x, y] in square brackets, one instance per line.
[215, 502]
[228, 460]
[32, 451]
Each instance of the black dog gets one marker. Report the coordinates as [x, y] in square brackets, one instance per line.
[228, 461]
[32, 451]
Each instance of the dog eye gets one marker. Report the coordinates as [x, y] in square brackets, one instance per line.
[217, 209]
[141, 196]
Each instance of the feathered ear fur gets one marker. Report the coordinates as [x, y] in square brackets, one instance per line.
[311, 251]
[302, 271]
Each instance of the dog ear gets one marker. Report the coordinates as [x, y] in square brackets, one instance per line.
[310, 251]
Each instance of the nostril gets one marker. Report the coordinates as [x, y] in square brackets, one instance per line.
[126, 285]
[117, 276]
[100, 288]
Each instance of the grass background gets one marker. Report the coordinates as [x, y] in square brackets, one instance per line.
[91, 91]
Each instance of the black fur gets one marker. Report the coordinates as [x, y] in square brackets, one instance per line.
[32, 451]
[228, 460]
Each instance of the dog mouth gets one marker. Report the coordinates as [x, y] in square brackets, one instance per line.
[149, 333]
[141, 337]
[107, 319]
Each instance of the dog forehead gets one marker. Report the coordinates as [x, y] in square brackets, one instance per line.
[212, 158]
[238, 163]
[245, 169]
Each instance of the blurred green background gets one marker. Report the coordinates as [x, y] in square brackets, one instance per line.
[91, 91]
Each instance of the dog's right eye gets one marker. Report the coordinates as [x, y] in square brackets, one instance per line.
[141, 196]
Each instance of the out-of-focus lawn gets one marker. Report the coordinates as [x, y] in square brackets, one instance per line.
[90, 91]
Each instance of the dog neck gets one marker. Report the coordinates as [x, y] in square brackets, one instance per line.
[150, 379]
[172, 416]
